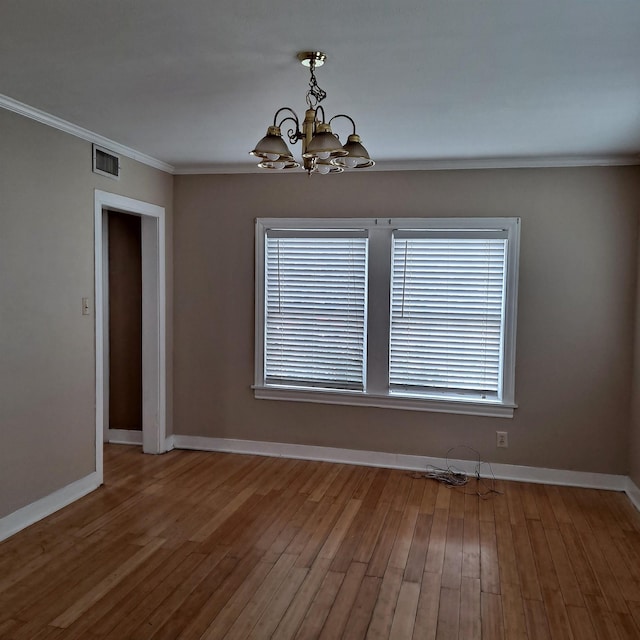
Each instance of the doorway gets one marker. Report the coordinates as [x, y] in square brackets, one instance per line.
[123, 334]
[153, 318]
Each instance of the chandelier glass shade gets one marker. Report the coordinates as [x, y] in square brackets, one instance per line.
[322, 151]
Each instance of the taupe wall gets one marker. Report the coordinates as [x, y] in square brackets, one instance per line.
[575, 322]
[575, 330]
[47, 370]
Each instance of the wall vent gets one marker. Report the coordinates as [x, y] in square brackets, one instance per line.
[105, 162]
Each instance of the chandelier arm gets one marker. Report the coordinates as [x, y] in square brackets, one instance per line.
[344, 115]
[321, 108]
[293, 116]
[293, 134]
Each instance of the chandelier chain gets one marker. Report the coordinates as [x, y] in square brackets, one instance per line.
[315, 95]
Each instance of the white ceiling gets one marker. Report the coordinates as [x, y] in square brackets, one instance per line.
[195, 83]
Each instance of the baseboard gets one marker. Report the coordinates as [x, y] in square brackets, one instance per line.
[44, 507]
[633, 492]
[403, 461]
[124, 436]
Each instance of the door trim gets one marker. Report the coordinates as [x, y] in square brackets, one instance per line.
[154, 378]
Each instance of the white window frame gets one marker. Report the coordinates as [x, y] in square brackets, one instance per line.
[377, 393]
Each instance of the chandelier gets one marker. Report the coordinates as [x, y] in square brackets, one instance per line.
[322, 151]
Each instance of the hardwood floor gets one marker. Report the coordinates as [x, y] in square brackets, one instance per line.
[207, 545]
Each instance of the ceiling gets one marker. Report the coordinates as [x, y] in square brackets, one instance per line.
[195, 83]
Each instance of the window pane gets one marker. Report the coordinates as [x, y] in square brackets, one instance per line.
[447, 315]
[315, 298]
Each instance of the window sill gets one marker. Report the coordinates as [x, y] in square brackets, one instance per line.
[391, 401]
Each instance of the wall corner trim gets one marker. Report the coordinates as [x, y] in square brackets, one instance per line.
[518, 473]
[44, 507]
[633, 492]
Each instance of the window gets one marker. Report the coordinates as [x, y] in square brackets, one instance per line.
[315, 292]
[408, 313]
[447, 313]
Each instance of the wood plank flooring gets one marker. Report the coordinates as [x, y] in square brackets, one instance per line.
[196, 545]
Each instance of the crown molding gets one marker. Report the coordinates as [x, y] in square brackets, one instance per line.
[68, 127]
[519, 162]
[436, 164]
[223, 168]
[510, 162]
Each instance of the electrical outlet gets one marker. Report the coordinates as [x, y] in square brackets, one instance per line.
[502, 439]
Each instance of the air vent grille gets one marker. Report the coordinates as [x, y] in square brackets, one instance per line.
[105, 162]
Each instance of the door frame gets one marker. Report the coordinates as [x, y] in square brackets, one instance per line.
[154, 377]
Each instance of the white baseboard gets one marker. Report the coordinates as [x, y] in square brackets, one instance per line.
[44, 507]
[124, 436]
[403, 461]
[633, 492]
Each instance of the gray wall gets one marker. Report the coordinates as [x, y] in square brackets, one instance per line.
[575, 322]
[47, 363]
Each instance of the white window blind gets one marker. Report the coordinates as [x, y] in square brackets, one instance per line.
[447, 312]
[315, 301]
